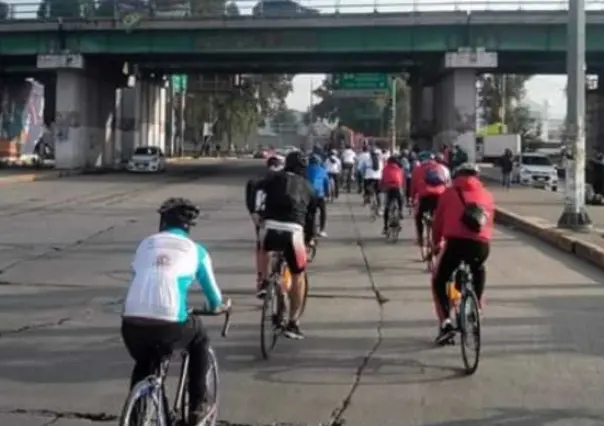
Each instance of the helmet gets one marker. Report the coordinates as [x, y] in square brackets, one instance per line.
[333, 152]
[275, 162]
[425, 156]
[314, 159]
[296, 162]
[439, 157]
[178, 212]
[467, 169]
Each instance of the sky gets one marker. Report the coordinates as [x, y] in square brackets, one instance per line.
[540, 88]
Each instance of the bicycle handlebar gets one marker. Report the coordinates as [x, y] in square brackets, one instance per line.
[206, 313]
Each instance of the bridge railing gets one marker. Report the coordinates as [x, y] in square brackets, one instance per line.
[51, 10]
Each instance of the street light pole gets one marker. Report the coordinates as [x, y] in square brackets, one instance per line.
[393, 118]
[575, 215]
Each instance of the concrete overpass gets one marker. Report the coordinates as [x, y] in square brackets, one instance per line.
[391, 38]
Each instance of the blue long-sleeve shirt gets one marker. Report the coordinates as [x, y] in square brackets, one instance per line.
[318, 178]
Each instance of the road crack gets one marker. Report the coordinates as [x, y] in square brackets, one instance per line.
[337, 415]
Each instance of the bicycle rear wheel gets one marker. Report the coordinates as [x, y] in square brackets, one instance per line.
[143, 407]
[303, 308]
[469, 328]
[269, 321]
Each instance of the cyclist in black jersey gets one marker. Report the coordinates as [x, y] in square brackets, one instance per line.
[286, 204]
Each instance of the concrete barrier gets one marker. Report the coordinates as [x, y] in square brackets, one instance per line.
[547, 233]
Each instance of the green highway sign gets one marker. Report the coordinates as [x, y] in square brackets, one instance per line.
[361, 81]
[179, 83]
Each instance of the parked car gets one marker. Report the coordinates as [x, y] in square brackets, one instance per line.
[147, 159]
[535, 170]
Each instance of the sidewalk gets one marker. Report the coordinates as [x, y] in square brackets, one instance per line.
[536, 212]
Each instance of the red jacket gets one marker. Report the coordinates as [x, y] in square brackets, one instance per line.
[419, 187]
[447, 218]
[392, 177]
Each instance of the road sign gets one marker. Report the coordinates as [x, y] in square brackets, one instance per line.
[358, 93]
[362, 81]
[179, 83]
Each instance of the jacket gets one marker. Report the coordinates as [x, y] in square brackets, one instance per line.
[285, 197]
[447, 218]
[392, 177]
[419, 187]
[318, 179]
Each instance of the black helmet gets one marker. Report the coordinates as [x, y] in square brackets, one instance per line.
[178, 212]
[296, 162]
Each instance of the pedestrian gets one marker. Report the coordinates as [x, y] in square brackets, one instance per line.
[507, 165]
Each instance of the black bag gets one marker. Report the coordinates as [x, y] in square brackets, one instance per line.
[473, 217]
[375, 161]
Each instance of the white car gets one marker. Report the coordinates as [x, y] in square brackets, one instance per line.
[147, 159]
[535, 170]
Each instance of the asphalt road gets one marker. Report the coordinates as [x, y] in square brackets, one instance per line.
[64, 266]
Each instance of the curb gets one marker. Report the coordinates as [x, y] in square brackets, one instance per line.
[37, 177]
[585, 250]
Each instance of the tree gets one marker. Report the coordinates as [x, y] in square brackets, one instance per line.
[4, 11]
[499, 95]
[370, 116]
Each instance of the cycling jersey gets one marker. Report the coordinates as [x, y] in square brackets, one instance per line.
[348, 156]
[392, 177]
[283, 201]
[165, 265]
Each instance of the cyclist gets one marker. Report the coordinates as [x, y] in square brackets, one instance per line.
[427, 185]
[440, 159]
[348, 160]
[406, 165]
[319, 180]
[393, 182]
[273, 165]
[155, 310]
[286, 202]
[372, 166]
[334, 169]
[464, 220]
[361, 159]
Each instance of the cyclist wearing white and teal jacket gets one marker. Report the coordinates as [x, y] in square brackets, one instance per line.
[155, 310]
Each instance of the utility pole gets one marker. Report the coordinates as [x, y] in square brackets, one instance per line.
[183, 95]
[393, 115]
[575, 215]
[311, 119]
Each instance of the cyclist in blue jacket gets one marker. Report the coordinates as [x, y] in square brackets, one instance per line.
[317, 175]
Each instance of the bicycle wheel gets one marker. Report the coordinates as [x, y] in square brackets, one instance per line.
[305, 294]
[212, 386]
[269, 320]
[143, 406]
[469, 328]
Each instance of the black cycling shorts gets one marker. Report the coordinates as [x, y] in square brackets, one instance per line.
[427, 203]
[290, 243]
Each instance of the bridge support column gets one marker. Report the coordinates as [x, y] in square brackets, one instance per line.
[455, 110]
[85, 106]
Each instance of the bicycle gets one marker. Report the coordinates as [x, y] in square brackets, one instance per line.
[151, 391]
[394, 222]
[465, 313]
[275, 307]
[426, 250]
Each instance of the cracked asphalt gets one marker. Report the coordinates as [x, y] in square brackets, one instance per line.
[367, 360]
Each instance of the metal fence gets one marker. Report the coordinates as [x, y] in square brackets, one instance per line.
[212, 9]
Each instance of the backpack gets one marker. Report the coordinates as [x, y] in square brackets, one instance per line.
[375, 161]
[473, 217]
[434, 177]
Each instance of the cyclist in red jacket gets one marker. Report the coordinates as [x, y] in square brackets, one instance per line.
[393, 183]
[464, 221]
[428, 182]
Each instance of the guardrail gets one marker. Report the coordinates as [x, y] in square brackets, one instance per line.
[51, 10]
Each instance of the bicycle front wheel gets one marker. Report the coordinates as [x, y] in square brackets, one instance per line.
[143, 407]
[469, 328]
[212, 386]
